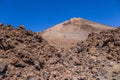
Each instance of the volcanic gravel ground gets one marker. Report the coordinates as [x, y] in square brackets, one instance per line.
[25, 55]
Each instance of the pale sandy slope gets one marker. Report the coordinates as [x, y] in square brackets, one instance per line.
[68, 33]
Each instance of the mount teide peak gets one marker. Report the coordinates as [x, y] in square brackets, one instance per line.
[68, 33]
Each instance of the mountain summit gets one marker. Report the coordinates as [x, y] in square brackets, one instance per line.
[72, 31]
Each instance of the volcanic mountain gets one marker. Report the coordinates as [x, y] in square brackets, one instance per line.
[25, 55]
[68, 33]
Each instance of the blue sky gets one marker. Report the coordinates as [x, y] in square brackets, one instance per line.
[38, 15]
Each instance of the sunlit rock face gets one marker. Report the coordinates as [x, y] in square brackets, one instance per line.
[68, 33]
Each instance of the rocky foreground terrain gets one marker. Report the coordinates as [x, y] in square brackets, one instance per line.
[25, 55]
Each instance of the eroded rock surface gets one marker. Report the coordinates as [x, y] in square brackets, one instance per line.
[68, 33]
[25, 55]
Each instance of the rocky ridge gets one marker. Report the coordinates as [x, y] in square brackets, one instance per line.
[25, 55]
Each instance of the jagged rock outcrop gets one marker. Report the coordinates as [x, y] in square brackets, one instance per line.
[104, 51]
[22, 53]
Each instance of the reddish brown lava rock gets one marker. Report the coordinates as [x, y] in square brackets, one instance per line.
[25, 55]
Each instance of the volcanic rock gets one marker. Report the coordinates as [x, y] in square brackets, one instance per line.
[68, 33]
[26, 55]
